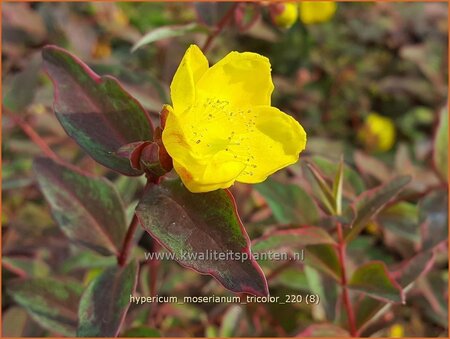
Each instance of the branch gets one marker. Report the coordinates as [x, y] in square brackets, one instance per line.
[219, 27]
[127, 242]
[32, 135]
[122, 257]
[345, 296]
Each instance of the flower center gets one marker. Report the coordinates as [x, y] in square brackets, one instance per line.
[215, 125]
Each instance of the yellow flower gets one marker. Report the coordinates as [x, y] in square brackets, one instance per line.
[284, 14]
[396, 331]
[101, 50]
[378, 133]
[312, 12]
[372, 228]
[222, 127]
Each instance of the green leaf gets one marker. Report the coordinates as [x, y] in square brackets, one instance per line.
[433, 217]
[26, 265]
[352, 180]
[211, 331]
[141, 332]
[290, 204]
[88, 209]
[292, 278]
[325, 190]
[374, 280]
[401, 219]
[327, 290]
[166, 32]
[106, 300]
[371, 202]
[368, 309]
[95, 111]
[440, 152]
[191, 225]
[86, 260]
[230, 322]
[324, 258]
[50, 302]
[296, 239]
[337, 188]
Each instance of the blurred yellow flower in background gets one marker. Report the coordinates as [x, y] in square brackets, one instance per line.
[284, 14]
[377, 133]
[312, 12]
[101, 50]
[396, 331]
[373, 228]
[222, 127]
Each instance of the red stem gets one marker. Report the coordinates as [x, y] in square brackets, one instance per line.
[153, 277]
[128, 242]
[345, 296]
[153, 270]
[219, 28]
[31, 133]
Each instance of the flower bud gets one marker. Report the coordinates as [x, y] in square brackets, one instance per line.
[155, 160]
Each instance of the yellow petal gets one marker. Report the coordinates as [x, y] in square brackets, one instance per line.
[201, 167]
[274, 143]
[176, 143]
[209, 181]
[182, 89]
[312, 12]
[242, 79]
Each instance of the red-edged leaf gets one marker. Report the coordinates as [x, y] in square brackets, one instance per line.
[96, 111]
[352, 181]
[88, 209]
[195, 224]
[402, 219]
[106, 300]
[371, 202]
[374, 280]
[433, 216]
[324, 258]
[413, 268]
[51, 303]
[368, 308]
